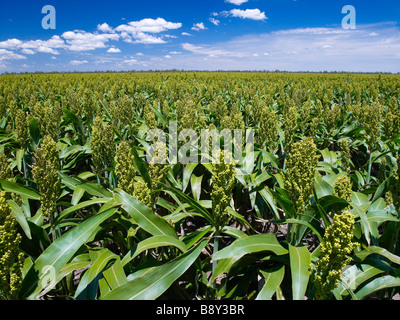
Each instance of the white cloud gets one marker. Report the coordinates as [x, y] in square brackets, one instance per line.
[304, 49]
[148, 25]
[9, 55]
[78, 62]
[237, 2]
[144, 38]
[55, 42]
[313, 31]
[32, 46]
[78, 40]
[139, 54]
[130, 61]
[175, 52]
[186, 34]
[253, 14]
[215, 52]
[214, 21]
[105, 28]
[113, 50]
[168, 56]
[141, 31]
[44, 49]
[10, 44]
[199, 26]
[28, 51]
[86, 41]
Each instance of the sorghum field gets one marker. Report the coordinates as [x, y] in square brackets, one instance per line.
[311, 211]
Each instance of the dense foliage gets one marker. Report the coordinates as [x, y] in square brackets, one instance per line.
[84, 215]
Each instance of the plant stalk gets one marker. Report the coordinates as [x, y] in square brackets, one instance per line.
[215, 249]
[369, 168]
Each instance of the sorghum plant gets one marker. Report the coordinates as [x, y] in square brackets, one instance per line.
[21, 129]
[268, 128]
[342, 188]
[334, 250]
[300, 172]
[223, 181]
[345, 154]
[124, 168]
[5, 168]
[11, 259]
[102, 143]
[45, 173]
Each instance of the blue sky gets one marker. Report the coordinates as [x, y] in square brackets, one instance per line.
[292, 35]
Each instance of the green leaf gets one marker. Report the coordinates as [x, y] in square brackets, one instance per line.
[193, 203]
[233, 232]
[154, 282]
[223, 265]
[322, 188]
[195, 183]
[268, 198]
[73, 150]
[95, 190]
[144, 216]
[153, 242]
[75, 122]
[251, 244]
[270, 158]
[377, 250]
[232, 212]
[273, 279]
[192, 238]
[329, 156]
[24, 192]
[265, 175]
[285, 203]
[359, 199]
[367, 226]
[382, 189]
[360, 204]
[301, 222]
[53, 259]
[80, 206]
[300, 261]
[34, 130]
[141, 167]
[68, 268]
[356, 275]
[115, 275]
[377, 212]
[19, 158]
[377, 284]
[86, 175]
[20, 217]
[77, 195]
[98, 265]
[187, 173]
